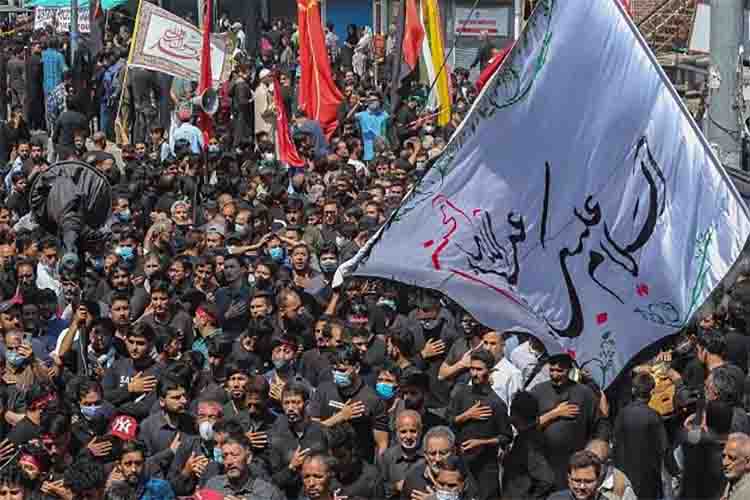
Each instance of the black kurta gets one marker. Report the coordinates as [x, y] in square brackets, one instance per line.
[565, 436]
[640, 445]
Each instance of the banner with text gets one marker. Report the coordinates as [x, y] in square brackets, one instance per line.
[166, 43]
[59, 18]
[577, 199]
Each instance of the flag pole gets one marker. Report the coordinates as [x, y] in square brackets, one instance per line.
[133, 38]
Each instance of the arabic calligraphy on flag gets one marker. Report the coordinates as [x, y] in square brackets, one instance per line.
[577, 199]
[168, 44]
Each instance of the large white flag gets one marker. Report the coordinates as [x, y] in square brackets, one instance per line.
[578, 198]
[166, 43]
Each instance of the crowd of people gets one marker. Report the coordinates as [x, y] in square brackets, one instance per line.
[197, 348]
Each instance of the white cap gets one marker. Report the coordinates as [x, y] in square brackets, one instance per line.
[264, 73]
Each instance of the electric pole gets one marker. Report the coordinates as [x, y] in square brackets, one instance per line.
[724, 131]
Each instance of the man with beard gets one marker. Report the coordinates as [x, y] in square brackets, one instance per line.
[163, 431]
[397, 459]
[439, 446]
[130, 384]
[434, 336]
[294, 317]
[569, 415]
[736, 464]
[505, 378]
[249, 406]
[206, 323]
[196, 460]
[293, 438]
[26, 277]
[480, 418]
[130, 478]
[284, 351]
[456, 364]
[317, 477]
[414, 389]
[238, 479]
[348, 399]
[232, 300]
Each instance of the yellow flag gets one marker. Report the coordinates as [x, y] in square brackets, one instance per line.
[434, 30]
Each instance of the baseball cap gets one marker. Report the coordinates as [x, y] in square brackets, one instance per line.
[216, 228]
[124, 427]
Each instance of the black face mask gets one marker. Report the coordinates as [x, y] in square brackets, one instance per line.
[300, 322]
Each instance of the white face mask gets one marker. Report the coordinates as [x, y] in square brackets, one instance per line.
[268, 156]
[206, 430]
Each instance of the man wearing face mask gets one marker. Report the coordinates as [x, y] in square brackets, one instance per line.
[206, 323]
[348, 399]
[89, 429]
[397, 459]
[435, 332]
[197, 460]
[373, 124]
[293, 438]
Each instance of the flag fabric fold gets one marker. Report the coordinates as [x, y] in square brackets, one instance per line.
[409, 38]
[205, 121]
[318, 96]
[492, 67]
[284, 143]
[440, 84]
[585, 206]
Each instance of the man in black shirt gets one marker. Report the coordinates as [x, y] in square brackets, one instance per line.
[130, 384]
[294, 437]
[569, 415]
[348, 399]
[400, 457]
[481, 420]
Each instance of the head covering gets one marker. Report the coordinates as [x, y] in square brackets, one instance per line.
[264, 73]
[124, 427]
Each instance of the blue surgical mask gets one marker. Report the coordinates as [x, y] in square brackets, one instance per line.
[123, 216]
[385, 390]
[218, 455]
[342, 379]
[276, 254]
[91, 412]
[329, 266]
[14, 359]
[126, 253]
[447, 495]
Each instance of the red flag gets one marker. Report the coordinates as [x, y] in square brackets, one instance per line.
[205, 123]
[626, 4]
[319, 98]
[287, 150]
[492, 67]
[413, 36]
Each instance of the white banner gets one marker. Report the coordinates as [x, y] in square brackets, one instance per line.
[169, 44]
[493, 20]
[59, 18]
[577, 199]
